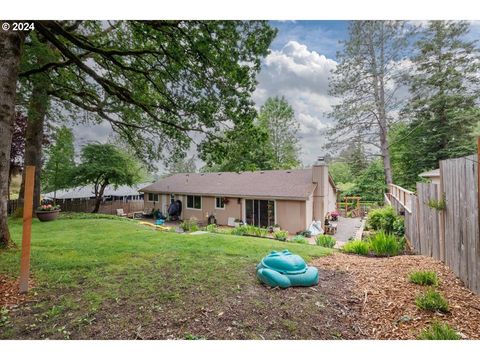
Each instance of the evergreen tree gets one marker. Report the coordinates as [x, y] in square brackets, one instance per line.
[278, 118]
[445, 88]
[57, 172]
[367, 65]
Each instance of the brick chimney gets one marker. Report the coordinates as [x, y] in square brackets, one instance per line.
[320, 178]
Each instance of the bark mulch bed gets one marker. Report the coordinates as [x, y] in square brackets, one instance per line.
[9, 295]
[388, 308]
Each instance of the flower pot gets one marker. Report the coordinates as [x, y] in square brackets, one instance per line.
[47, 215]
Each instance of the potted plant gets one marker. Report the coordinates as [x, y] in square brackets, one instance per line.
[334, 215]
[276, 227]
[47, 212]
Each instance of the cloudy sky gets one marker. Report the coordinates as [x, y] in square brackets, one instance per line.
[298, 67]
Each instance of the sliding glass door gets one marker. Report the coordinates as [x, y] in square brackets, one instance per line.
[260, 212]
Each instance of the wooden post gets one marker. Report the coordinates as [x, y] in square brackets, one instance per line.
[478, 178]
[27, 228]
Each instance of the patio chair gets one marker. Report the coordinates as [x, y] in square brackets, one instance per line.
[121, 213]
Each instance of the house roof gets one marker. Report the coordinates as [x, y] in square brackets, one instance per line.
[88, 192]
[283, 184]
[430, 173]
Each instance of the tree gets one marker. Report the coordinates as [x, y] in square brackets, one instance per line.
[11, 43]
[182, 165]
[364, 80]
[105, 164]
[340, 172]
[58, 169]
[444, 89]
[156, 82]
[17, 148]
[370, 185]
[278, 118]
[243, 148]
[354, 155]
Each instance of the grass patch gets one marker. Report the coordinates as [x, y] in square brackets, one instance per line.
[356, 247]
[383, 244]
[83, 266]
[439, 331]
[432, 300]
[326, 241]
[299, 239]
[428, 278]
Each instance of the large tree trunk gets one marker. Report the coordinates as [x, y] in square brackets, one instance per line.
[11, 43]
[34, 135]
[98, 198]
[379, 94]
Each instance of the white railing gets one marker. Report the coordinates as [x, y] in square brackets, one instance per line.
[404, 196]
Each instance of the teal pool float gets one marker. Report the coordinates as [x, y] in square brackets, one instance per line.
[284, 269]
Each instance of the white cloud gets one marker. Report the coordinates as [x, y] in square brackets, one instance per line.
[301, 76]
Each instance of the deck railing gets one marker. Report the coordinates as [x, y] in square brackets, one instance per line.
[404, 196]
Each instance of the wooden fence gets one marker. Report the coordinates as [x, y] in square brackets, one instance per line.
[442, 220]
[87, 205]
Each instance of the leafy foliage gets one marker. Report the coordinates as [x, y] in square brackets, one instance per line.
[189, 225]
[432, 300]
[250, 230]
[423, 278]
[382, 219]
[439, 331]
[105, 164]
[59, 167]
[326, 241]
[356, 247]
[299, 239]
[383, 244]
[278, 118]
[281, 235]
[443, 106]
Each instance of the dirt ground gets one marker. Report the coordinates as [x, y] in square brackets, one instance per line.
[357, 298]
[388, 308]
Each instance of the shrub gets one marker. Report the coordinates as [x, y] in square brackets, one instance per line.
[399, 226]
[432, 301]
[326, 241]
[356, 247]
[280, 235]
[250, 230]
[382, 219]
[299, 239]
[439, 331]
[212, 228]
[423, 278]
[383, 244]
[189, 225]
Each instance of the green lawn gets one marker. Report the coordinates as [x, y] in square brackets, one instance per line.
[114, 278]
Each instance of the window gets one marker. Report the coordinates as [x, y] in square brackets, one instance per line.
[219, 203]
[152, 197]
[194, 202]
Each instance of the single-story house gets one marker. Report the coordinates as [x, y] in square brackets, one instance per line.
[432, 175]
[123, 193]
[290, 198]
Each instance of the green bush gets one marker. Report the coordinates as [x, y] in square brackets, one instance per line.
[356, 247]
[382, 219]
[423, 278]
[383, 244]
[326, 241]
[432, 301]
[212, 228]
[299, 239]
[439, 331]
[281, 235]
[250, 230]
[399, 226]
[189, 225]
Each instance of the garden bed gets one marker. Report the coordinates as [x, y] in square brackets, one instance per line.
[388, 309]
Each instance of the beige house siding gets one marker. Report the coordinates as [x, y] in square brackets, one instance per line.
[332, 199]
[291, 215]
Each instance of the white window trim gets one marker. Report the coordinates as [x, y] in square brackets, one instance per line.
[219, 208]
[201, 202]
